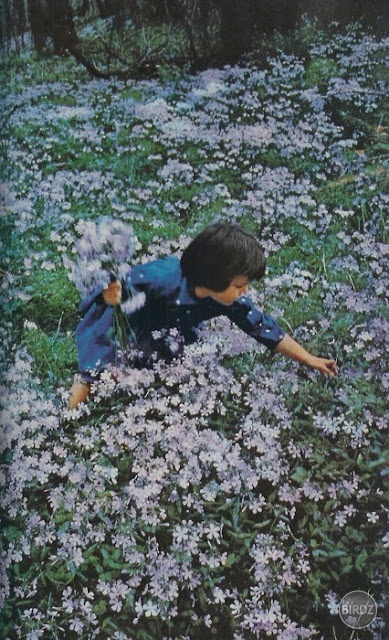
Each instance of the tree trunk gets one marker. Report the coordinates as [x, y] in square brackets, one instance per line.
[61, 24]
[204, 20]
[83, 9]
[236, 27]
[5, 23]
[38, 18]
[121, 12]
[106, 8]
[279, 15]
[19, 17]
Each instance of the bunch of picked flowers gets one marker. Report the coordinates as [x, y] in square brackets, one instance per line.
[102, 253]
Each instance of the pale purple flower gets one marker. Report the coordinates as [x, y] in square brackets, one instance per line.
[333, 603]
[372, 517]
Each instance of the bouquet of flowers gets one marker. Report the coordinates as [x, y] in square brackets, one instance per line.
[102, 252]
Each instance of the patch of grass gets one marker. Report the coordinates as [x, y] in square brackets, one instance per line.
[318, 72]
[52, 298]
[54, 354]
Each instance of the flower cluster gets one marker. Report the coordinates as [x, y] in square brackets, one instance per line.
[103, 252]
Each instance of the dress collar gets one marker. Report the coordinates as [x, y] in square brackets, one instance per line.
[186, 294]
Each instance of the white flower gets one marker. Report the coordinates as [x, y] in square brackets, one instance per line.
[235, 608]
[333, 608]
[213, 531]
[373, 517]
[29, 325]
[219, 596]
[150, 609]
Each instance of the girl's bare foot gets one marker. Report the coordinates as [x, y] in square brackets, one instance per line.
[79, 392]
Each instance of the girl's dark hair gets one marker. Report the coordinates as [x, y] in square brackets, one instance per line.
[220, 253]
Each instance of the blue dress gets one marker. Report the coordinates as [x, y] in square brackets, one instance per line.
[169, 304]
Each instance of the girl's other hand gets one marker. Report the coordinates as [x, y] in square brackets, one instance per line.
[113, 293]
[328, 367]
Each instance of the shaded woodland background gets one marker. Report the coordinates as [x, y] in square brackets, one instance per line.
[203, 32]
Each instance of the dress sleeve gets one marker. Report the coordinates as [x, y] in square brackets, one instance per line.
[94, 337]
[95, 296]
[260, 326]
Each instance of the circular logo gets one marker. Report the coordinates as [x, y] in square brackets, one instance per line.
[357, 609]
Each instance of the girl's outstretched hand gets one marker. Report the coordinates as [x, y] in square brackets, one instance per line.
[113, 293]
[289, 347]
[328, 367]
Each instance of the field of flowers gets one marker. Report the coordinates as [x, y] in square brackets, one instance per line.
[231, 494]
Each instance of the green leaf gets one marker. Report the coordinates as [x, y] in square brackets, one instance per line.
[300, 474]
[360, 560]
[231, 558]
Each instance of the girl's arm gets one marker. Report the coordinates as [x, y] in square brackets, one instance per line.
[291, 348]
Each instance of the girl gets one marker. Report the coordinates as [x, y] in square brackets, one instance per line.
[210, 280]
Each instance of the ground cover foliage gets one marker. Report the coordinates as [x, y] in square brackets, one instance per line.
[229, 494]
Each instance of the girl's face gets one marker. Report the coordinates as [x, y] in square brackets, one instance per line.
[237, 288]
